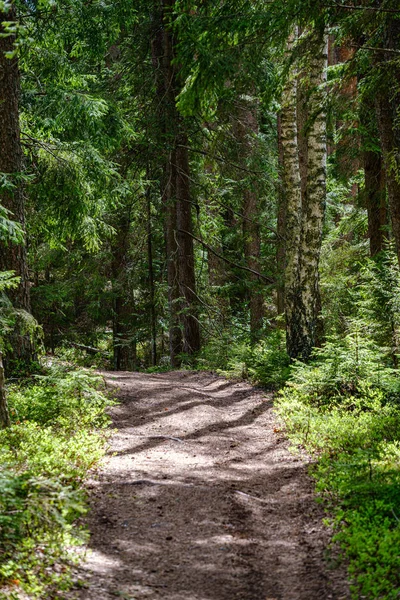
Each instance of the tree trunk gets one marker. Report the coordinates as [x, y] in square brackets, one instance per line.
[4, 414]
[292, 189]
[303, 114]
[184, 325]
[169, 201]
[375, 200]
[187, 280]
[13, 256]
[162, 55]
[387, 107]
[153, 316]
[386, 121]
[305, 189]
[124, 343]
[252, 252]
[281, 230]
[374, 195]
[314, 199]
[246, 129]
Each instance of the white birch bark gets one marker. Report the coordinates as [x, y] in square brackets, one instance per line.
[314, 198]
[292, 189]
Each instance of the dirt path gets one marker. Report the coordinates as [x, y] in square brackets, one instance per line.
[201, 500]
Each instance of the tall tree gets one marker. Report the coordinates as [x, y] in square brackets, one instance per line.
[314, 193]
[152, 295]
[374, 180]
[292, 190]
[186, 265]
[184, 323]
[387, 110]
[280, 227]
[162, 55]
[13, 256]
[303, 139]
[247, 127]
[124, 343]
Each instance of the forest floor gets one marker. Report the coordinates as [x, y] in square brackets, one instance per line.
[200, 499]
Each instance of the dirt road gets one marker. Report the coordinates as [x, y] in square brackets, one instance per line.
[200, 499]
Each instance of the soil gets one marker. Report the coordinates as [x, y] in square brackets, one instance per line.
[200, 499]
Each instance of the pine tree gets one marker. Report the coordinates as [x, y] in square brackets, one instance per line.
[13, 256]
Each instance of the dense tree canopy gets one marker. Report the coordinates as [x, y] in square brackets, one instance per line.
[177, 152]
[203, 184]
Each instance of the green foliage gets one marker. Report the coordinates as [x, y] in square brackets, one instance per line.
[359, 293]
[81, 358]
[96, 138]
[265, 363]
[44, 457]
[63, 398]
[7, 281]
[343, 409]
[345, 367]
[372, 540]
[10, 231]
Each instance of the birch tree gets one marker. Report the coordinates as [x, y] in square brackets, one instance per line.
[304, 179]
[292, 190]
[314, 196]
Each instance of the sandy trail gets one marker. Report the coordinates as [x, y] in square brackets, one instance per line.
[200, 499]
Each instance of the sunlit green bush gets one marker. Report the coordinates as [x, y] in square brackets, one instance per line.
[44, 457]
[265, 363]
[343, 409]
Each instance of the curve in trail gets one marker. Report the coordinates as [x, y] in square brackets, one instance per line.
[200, 499]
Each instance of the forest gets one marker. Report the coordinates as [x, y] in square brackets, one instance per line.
[199, 186]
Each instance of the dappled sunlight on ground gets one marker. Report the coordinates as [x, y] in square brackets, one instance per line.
[200, 499]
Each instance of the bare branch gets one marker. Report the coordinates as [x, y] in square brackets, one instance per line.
[230, 262]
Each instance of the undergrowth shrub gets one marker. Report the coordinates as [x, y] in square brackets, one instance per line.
[81, 358]
[265, 363]
[346, 366]
[344, 409]
[44, 456]
[64, 398]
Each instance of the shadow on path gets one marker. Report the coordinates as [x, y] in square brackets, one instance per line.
[201, 500]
